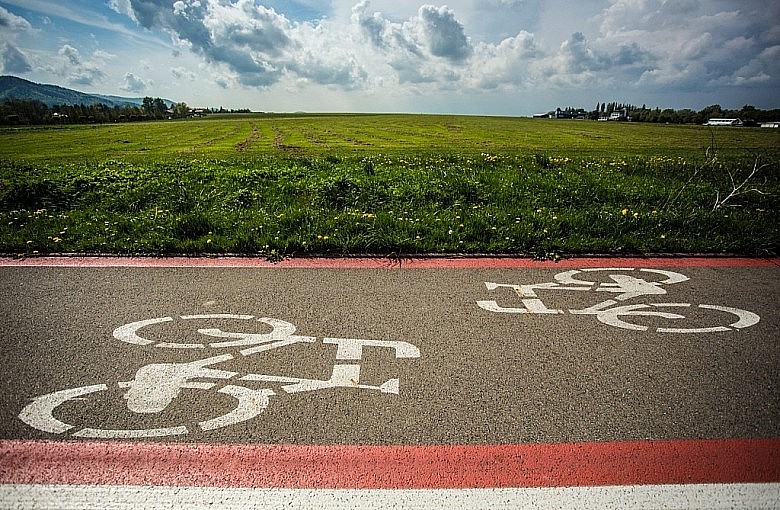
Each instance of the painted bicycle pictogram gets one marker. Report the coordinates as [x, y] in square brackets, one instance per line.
[622, 310]
[157, 385]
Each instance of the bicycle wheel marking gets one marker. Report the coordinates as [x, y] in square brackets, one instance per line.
[157, 385]
[38, 414]
[610, 311]
[250, 404]
[127, 333]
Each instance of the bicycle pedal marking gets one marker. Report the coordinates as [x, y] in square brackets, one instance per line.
[156, 385]
[627, 284]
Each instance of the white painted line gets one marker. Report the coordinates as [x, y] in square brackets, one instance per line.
[639, 497]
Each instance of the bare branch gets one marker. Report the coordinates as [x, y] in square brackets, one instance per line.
[738, 189]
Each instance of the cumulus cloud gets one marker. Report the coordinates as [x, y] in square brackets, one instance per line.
[504, 65]
[433, 32]
[11, 23]
[182, 73]
[78, 70]
[444, 35]
[71, 54]
[12, 59]
[134, 84]
[695, 44]
[683, 44]
[429, 47]
[249, 39]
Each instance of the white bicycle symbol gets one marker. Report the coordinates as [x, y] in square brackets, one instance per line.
[610, 311]
[157, 385]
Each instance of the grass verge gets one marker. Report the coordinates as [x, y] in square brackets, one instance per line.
[528, 203]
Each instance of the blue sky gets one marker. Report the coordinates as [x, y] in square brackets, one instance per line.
[496, 57]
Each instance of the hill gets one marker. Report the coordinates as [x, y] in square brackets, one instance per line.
[12, 87]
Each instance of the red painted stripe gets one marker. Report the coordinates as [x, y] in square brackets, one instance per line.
[436, 262]
[392, 467]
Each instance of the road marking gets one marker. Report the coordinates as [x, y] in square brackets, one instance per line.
[627, 287]
[157, 385]
[661, 462]
[434, 262]
[638, 497]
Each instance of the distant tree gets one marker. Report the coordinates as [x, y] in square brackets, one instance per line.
[159, 107]
[148, 105]
[712, 111]
[687, 116]
[181, 109]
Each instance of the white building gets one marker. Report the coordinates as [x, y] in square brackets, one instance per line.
[724, 122]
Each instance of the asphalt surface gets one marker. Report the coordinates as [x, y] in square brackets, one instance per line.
[480, 377]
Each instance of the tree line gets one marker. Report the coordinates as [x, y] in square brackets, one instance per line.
[35, 112]
[749, 114]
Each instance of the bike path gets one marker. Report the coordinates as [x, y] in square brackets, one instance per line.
[488, 363]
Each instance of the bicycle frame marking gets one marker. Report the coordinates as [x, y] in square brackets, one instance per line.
[610, 311]
[157, 385]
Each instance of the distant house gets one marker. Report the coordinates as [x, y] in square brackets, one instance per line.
[775, 124]
[569, 113]
[620, 115]
[724, 122]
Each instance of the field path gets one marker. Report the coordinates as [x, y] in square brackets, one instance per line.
[250, 140]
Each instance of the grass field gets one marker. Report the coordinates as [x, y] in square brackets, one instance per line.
[388, 184]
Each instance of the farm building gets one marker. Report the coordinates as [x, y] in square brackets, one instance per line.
[569, 113]
[724, 122]
[770, 124]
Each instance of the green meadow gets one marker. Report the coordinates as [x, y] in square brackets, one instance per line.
[284, 185]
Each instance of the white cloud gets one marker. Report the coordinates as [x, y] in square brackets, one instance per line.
[183, 73]
[71, 54]
[689, 45]
[386, 53]
[11, 23]
[420, 49]
[12, 59]
[506, 64]
[76, 69]
[443, 33]
[134, 84]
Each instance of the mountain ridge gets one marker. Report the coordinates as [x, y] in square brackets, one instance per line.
[13, 87]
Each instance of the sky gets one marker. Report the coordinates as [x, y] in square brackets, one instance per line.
[492, 57]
